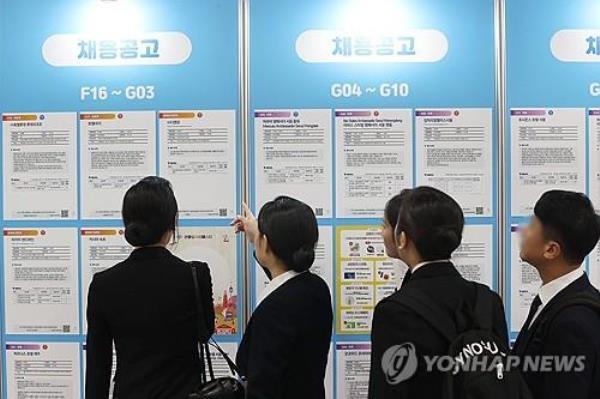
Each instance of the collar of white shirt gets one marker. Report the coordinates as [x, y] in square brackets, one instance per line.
[551, 289]
[419, 265]
[276, 283]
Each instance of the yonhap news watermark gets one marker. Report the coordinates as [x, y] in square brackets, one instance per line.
[400, 362]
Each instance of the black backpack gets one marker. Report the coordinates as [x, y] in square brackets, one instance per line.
[479, 367]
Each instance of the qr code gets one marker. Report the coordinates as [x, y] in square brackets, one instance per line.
[479, 210]
[64, 213]
[66, 328]
[319, 211]
[223, 212]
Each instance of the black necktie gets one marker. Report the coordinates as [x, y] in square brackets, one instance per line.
[535, 305]
[524, 334]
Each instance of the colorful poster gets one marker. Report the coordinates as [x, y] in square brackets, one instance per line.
[217, 247]
[364, 276]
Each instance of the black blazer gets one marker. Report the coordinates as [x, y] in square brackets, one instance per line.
[395, 324]
[146, 306]
[283, 353]
[575, 331]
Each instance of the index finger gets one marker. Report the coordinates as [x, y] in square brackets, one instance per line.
[247, 211]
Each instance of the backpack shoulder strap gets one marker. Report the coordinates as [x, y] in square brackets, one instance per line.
[582, 299]
[586, 299]
[484, 307]
[420, 303]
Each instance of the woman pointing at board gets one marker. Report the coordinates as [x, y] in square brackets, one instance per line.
[283, 353]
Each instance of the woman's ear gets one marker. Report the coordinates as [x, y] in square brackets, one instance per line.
[262, 243]
[401, 241]
[267, 245]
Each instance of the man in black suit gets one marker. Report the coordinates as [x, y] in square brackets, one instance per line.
[422, 227]
[562, 232]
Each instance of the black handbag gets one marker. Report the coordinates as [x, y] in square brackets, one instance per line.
[211, 387]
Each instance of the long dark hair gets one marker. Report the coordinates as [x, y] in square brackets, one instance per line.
[291, 230]
[149, 211]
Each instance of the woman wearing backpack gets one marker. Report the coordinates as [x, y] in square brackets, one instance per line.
[422, 227]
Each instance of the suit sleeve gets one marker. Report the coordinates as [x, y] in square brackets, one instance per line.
[206, 290]
[393, 324]
[268, 356]
[99, 348]
[574, 336]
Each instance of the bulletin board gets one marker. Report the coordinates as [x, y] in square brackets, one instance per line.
[553, 125]
[338, 103]
[350, 102]
[95, 95]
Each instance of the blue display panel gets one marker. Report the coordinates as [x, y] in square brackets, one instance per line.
[93, 96]
[552, 123]
[351, 101]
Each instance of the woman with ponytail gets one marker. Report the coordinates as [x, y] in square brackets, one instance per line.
[283, 353]
[146, 307]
